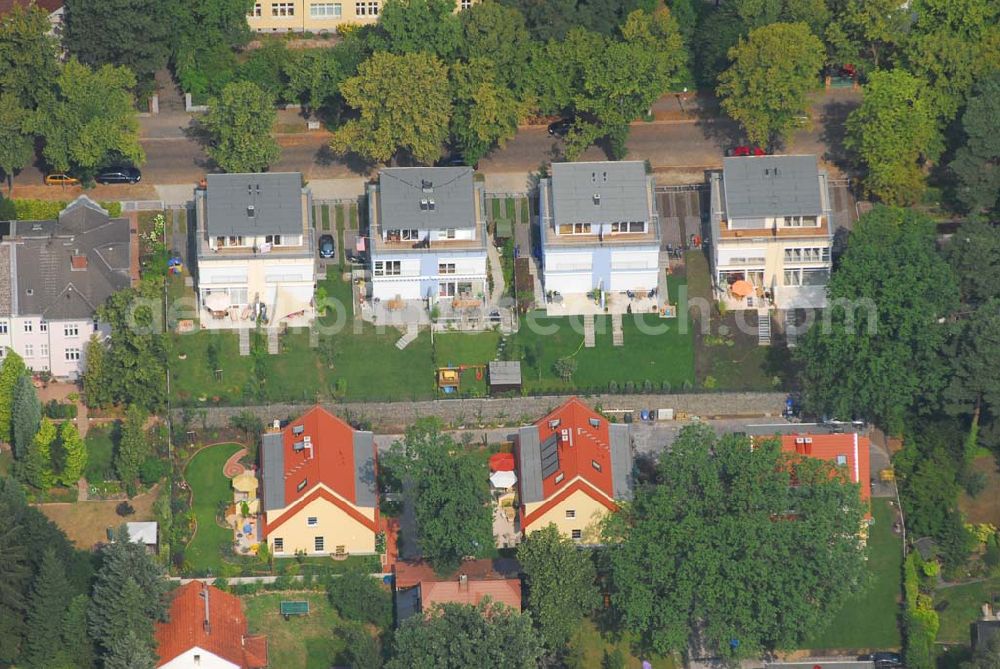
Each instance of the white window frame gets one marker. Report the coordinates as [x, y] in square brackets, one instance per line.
[273, 240]
[312, 521]
[43, 350]
[72, 354]
[29, 326]
[257, 11]
[576, 535]
[71, 330]
[279, 544]
[43, 326]
[3, 327]
[282, 10]
[387, 268]
[319, 544]
[366, 8]
[446, 268]
[29, 350]
[571, 513]
[325, 10]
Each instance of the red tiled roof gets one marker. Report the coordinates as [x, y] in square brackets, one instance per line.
[504, 591]
[851, 448]
[48, 5]
[331, 460]
[225, 635]
[411, 573]
[580, 445]
[502, 462]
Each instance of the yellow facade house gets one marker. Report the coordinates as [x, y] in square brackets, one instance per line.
[317, 16]
[319, 495]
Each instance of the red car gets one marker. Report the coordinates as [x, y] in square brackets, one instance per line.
[745, 150]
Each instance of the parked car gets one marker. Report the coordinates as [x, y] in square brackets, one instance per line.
[326, 246]
[61, 179]
[887, 660]
[119, 175]
[561, 127]
[745, 150]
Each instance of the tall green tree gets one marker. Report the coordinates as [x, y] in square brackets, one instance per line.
[95, 389]
[240, 122]
[865, 32]
[758, 13]
[17, 145]
[975, 380]
[712, 544]
[35, 467]
[486, 112]
[772, 71]
[92, 120]
[455, 636]
[130, 651]
[133, 446]
[28, 63]
[561, 582]
[314, 77]
[977, 162]
[357, 596]
[427, 26]
[46, 607]
[890, 134]
[78, 648]
[877, 352]
[12, 369]
[130, 33]
[403, 105]
[73, 455]
[974, 254]
[451, 494]
[496, 32]
[716, 34]
[27, 414]
[15, 577]
[128, 596]
[363, 650]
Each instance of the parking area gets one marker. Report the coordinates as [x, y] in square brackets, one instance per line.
[680, 210]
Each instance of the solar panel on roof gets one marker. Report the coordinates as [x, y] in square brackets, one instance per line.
[550, 456]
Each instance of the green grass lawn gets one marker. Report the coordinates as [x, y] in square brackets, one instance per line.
[591, 645]
[964, 604]
[452, 349]
[100, 455]
[209, 487]
[664, 357]
[869, 619]
[325, 213]
[303, 642]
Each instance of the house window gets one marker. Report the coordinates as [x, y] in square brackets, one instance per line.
[628, 226]
[29, 351]
[575, 229]
[273, 240]
[571, 513]
[449, 233]
[815, 277]
[595, 464]
[312, 521]
[71, 330]
[793, 277]
[446, 268]
[282, 9]
[43, 350]
[464, 4]
[318, 544]
[577, 535]
[323, 10]
[369, 8]
[842, 460]
[302, 485]
[279, 545]
[43, 326]
[3, 327]
[257, 11]
[559, 477]
[29, 326]
[446, 289]
[388, 268]
[410, 235]
[197, 659]
[808, 254]
[72, 354]
[340, 550]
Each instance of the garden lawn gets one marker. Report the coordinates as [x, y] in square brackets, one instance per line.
[663, 358]
[100, 455]
[86, 523]
[869, 619]
[301, 642]
[209, 487]
[455, 348]
[592, 645]
[964, 604]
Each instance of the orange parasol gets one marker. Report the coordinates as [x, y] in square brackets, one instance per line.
[741, 288]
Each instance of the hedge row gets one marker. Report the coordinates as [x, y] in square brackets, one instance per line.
[44, 210]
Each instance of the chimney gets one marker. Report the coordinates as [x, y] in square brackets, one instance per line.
[77, 263]
[208, 620]
[463, 582]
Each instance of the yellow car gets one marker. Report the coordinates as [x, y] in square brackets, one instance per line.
[60, 179]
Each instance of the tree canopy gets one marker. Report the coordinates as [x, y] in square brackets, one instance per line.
[132, 33]
[977, 162]
[240, 122]
[710, 546]
[11, 370]
[876, 352]
[772, 71]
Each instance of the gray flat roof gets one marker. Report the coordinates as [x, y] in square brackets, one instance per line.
[621, 461]
[276, 198]
[623, 188]
[272, 465]
[406, 195]
[47, 284]
[505, 373]
[762, 186]
[529, 464]
[7, 270]
[364, 469]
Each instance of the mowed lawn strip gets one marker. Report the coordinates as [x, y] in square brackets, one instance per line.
[964, 606]
[868, 620]
[301, 642]
[209, 487]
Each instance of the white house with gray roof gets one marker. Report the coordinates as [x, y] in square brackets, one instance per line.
[256, 252]
[599, 229]
[54, 275]
[770, 224]
[428, 236]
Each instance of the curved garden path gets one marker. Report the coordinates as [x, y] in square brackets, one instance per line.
[233, 467]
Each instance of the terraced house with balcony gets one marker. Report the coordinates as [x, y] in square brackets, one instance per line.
[771, 232]
[54, 275]
[428, 236]
[317, 16]
[256, 252]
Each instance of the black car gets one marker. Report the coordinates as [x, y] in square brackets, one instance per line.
[561, 127]
[326, 247]
[887, 660]
[119, 175]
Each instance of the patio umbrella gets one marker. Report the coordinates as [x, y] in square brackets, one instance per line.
[217, 301]
[741, 288]
[503, 480]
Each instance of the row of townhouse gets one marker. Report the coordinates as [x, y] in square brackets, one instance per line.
[317, 16]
